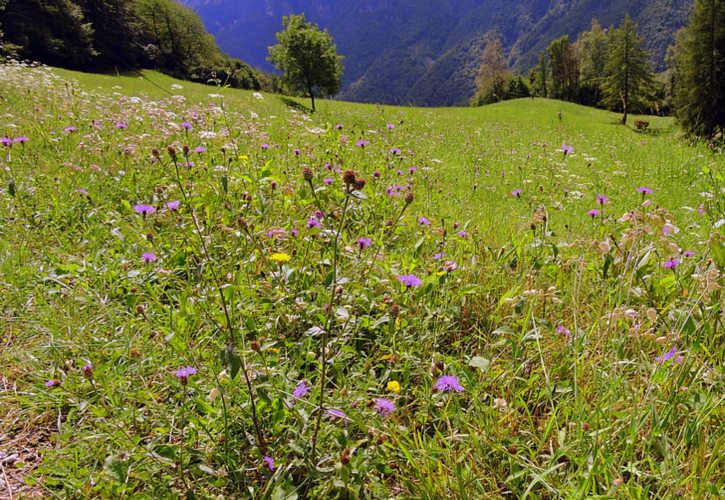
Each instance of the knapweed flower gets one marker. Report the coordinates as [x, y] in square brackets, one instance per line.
[70, 129]
[6, 141]
[363, 243]
[173, 205]
[21, 140]
[296, 151]
[448, 383]
[53, 383]
[516, 193]
[671, 354]
[439, 256]
[394, 151]
[184, 373]
[302, 390]
[688, 253]
[410, 280]
[186, 125]
[393, 386]
[199, 149]
[328, 180]
[562, 330]
[450, 266]
[463, 234]
[671, 264]
[121, 125]
[144, 209]
[701, 209]
[339, 126]
[423, 221]
[602, 200]
[384, 407]
[390, 126]
[362, 144]
[148, 257]
[312, 222]
[280, 257]
[88, 371]
[265, 146]
[269, 462]
[593, 213]
[644, 191]
[567, 149]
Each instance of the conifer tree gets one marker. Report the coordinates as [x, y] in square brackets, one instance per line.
[592, 50]
[628, 78]
[700, 70]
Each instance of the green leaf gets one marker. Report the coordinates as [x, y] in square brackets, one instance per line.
[481, 363]
[231, 360]
[11, 188]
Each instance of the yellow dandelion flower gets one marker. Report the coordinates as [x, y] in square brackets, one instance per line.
[273, 350]
[280, 257]
[394, 386]
[243, 157]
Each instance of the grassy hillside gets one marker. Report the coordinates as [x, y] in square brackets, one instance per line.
[213, 291]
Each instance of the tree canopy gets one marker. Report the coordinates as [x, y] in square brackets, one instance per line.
[308, 58]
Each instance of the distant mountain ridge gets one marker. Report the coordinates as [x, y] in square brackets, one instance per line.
[426, 52]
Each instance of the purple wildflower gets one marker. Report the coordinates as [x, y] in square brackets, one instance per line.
[199, 149]
[423, 221]
[644, 191]
[463, 234]
[701, 209]
[22, 139]
[173, 205]
[339, 126]
[385, 407]
[70, 129]
[448, 383]
[53, 383]
[671, 264]
[186, 125]
[184, 373]
[328, 180]
[671, 354]
[265, 146]
[144, 209]
[88, 371]
[394, 151]
[688, 253]
[567, 149]
[312, 222]
[362, 144]
[593, 213]
[450, 266]
[302, 390]
[269, 462]
[602, 200]
[516, 193]
[410, 280]
[121, 125]
[363, 243]
[82, 191]
[148, 257]
[562, 330]
[439, 256]
[6, 141]
[390, 126]
[296, 151]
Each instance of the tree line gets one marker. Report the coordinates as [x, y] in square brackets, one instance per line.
[609, 68]
[100, 35]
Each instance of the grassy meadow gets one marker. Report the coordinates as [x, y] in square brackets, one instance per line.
[207, 292]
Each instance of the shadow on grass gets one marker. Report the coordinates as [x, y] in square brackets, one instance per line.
[294, 104]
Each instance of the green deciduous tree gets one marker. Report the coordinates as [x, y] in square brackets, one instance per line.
[48, 30]
[564, 69]
[308, 58]
[592, 49]
[699, 59]
[628, 78]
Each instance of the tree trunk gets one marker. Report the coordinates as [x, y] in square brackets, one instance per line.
[312, 96]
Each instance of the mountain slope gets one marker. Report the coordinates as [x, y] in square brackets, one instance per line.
[426, 51]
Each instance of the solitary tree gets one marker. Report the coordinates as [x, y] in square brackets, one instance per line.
[700, 70]
[494, 76]
[628, 79]
[308, 58]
